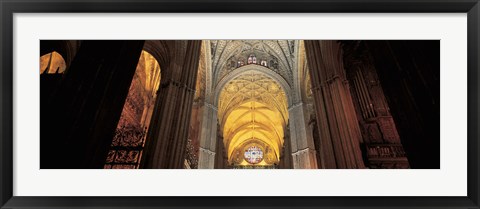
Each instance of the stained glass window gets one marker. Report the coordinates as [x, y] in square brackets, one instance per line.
[253, 155]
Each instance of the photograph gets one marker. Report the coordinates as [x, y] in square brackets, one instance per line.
[239, 104]
[182, 104]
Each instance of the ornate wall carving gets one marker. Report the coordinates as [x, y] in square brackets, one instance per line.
[129, 139]
[381, 142]
[230, 54]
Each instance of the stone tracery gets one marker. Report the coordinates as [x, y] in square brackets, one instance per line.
[231, 54]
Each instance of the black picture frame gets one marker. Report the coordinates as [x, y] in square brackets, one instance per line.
[10, 7]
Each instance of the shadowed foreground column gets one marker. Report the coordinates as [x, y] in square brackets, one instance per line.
[336, 119]
[168, 133]
[78, 124]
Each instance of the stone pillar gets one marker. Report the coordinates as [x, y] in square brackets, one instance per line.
[312, 124]
[208, 137]
[336, 117]
[219, 151]
[286, 161]
[302, 145]
[78, 124]
[167, 136]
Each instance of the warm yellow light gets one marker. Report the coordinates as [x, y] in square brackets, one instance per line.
[52, 63]
[253, 106]
[151, 71]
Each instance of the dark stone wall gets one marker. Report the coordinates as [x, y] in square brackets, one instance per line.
[409, 72]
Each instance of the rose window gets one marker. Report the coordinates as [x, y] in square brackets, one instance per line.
[253, 155]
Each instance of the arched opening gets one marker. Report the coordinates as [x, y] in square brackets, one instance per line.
[129, 140]
[252, 113]
[238, 104]
[52, 68]
[52, 63]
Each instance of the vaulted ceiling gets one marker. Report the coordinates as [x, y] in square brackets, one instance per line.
[252, 105]
[278, 54]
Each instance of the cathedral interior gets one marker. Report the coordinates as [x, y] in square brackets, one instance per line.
[239, 104]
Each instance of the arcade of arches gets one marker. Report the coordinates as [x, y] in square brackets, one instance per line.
[242, 104]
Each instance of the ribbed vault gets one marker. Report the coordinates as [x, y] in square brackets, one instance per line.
[252, 110]
[278, 56]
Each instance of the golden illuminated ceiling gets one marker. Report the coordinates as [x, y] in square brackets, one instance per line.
[252, 107]
[254, 81]
[149, 73]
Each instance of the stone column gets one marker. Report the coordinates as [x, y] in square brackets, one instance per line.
[78, 124]
[286, 161]
[336, 118]
[302, 145]
[208, 137]
[167, 136]
[312, 124]
[219, 151]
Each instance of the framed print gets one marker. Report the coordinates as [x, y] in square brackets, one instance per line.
[196, 104]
